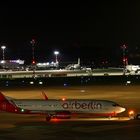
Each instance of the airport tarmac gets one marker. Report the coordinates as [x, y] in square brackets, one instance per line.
[14, 126]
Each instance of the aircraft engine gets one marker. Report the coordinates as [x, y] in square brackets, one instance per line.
[62, 115]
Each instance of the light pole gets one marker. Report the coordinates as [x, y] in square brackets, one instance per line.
[33, 49]
[125, 60]
[56, 53]
[3, 51]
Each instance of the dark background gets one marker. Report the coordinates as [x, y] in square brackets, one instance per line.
[93, 31]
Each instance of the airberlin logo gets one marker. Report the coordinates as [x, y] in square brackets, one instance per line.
[82, 105]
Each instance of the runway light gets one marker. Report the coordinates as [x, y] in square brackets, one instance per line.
[82, 90]
[40, 82]
[131, 112]
[63, 99]
[31, 82]
[128, 82]
[65, 84]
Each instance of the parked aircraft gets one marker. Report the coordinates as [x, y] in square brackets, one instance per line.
[74, 66]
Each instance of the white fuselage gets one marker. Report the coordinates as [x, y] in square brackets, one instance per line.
[74, 106]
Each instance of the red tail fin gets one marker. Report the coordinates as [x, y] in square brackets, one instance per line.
[2, 97]
[45, 96]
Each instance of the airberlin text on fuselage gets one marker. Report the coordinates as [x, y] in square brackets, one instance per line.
[81, 105]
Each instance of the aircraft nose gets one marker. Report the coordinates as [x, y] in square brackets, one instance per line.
[122, 109]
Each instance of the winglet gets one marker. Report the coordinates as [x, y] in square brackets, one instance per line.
[45, 96]
[2, 97]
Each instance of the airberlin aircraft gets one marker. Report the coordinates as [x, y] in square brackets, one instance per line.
[61, 109]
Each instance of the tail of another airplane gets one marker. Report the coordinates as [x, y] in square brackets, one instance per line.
[78, 61]
[45, 96]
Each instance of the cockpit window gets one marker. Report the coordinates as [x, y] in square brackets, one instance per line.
[115, 104]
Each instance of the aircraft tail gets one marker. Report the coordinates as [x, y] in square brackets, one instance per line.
[2, 97]
[78, 61]
[8, 105]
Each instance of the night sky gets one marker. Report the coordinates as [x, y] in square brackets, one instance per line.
[93, 31]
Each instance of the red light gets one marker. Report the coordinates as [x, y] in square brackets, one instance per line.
[33, 62]
[33, 41]
[124, 46]
[55, 120]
